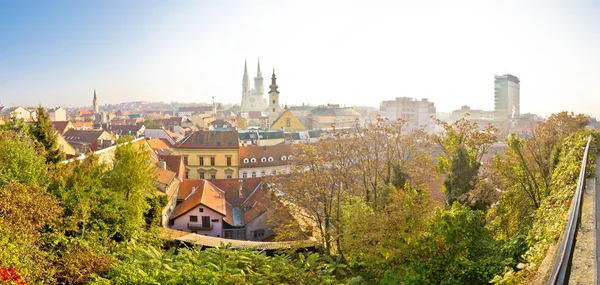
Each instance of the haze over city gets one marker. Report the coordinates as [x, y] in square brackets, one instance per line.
[56, 53]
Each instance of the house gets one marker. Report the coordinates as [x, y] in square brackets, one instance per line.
[256, 119]
[83, 126]
[288, 123]
[220, 125]
[327, 118]
[174, 163]
[159, 134]
[259, 161]
[65, 146]
[62, 126]
[15, 112]
[57, 114]
[137, 131]
[122, 114]
[188, 111]
[200, 209]
[210, 154]
[88, 140]
[229, 208]
[160, 146]
[167, 184]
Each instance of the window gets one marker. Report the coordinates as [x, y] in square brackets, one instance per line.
[259, 233]
[253, 174]
[284, 158]
[290, 157]
[229, 175]
[274, 172]
[273, 101]
[288, 122]
[213, 175]
[263, 173]
[201, 160]
[273, 109]
[246, 160]
[264, 159]
[194, 219]
[205, 221]
[229, 161]
[201, 175]
[253, 160]
[201, 210]
[212, 161]
[244, 175]
[270, 159]
[215, 220]
[187, 173]
[171, 222]
[185, 160]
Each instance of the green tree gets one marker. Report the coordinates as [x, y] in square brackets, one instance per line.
[45, 134]
[461, 178]
[20, 162]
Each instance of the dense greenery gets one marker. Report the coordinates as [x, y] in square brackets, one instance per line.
[364, 196]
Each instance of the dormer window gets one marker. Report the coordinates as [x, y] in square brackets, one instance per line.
[253, 160]
[246, 160]
[264, 159]
[290, 157]
[270, 159]
[284, 158]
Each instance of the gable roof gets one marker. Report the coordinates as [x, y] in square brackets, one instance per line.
[206, 194]
[290, 116]
[83, 136]
[60, 126]
[211, 139]
[258, 152]
[173, 162]
[160, 146]
[126, 129]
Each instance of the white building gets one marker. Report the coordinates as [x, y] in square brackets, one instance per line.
[416, 113]
[57, 114]
[253, 99]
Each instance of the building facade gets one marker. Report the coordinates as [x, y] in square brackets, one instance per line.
[416, 113]
[210, 154]
[328, 118]
[507, 96]
[259, 161]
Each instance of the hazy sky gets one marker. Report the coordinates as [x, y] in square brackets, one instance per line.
[353, 53]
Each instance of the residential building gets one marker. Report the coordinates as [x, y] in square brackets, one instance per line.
[160, 146]
[256, 119]
[62, 126]
[137, 131]
[159, 134]
[417, 113]
[57, 114]
[210, 154]
[174, 163]
[253, 99]
[302, 112]
[64, 146]
[201, 208]
[15, 112]
[89, 140]
[220, 125]
[167, 184]
[287, 122]
[507, 96]
[259, 161]
[333, 116]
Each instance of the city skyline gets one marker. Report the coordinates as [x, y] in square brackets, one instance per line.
[357, 54]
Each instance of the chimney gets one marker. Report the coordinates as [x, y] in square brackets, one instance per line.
[193, 190]
[162, 165]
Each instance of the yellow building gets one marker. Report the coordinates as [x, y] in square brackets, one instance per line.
[210, 154]
[288, 122]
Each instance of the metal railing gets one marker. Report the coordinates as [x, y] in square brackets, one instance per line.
[562, 265]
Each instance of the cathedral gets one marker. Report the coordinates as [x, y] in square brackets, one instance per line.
[253, 99]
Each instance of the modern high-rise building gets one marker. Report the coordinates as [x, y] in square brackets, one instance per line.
[507, 96]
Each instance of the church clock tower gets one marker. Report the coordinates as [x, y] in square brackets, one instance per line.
[274, 109]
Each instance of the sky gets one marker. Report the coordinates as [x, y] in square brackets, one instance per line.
[55, 53]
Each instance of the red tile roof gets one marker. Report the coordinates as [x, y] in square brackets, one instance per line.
[162, 147]
[60, 126]
[273, 153]
[211, 140]
[207, 195]
[173, 162]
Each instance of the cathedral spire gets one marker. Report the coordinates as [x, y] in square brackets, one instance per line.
[258, 73]
[245, 80]
[95, 102]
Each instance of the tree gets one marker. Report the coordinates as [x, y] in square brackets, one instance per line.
[20, 162]
[45, 134]
[461, 178]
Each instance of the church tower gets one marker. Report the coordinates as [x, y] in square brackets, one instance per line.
[259, 87]
[95, 102]
[274, 109]
[245, 82]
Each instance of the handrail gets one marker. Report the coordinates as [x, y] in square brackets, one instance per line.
[562, 266]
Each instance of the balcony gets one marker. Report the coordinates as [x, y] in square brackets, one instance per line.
[195, 226]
